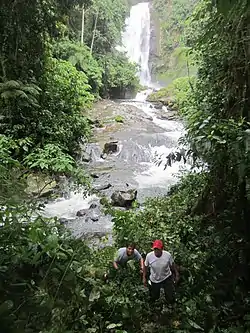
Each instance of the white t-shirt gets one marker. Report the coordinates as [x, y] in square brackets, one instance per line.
[159, 267]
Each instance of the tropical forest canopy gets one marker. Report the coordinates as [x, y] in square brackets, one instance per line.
[50, 75]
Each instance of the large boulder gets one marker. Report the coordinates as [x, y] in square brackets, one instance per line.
[110, 147]
[123, 198]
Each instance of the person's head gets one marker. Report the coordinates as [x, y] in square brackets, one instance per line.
[130, 248]
[158, 247]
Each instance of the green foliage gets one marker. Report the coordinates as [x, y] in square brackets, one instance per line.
[10, 172]
[177, 95]
[60, 281]
[65, 97]
[110, 18]
[119, 75]
[172, 59]
[119, 119]
[51, 158]
[80, 57]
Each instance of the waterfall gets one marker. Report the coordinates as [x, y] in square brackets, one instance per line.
[136, 39]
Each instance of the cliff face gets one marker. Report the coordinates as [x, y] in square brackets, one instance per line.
[168, 55]
[154, 40]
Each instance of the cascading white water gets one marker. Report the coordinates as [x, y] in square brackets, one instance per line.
[136, 39]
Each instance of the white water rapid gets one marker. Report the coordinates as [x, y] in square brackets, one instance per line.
[134, 163]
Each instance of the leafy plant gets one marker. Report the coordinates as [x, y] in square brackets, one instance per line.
[50, 158]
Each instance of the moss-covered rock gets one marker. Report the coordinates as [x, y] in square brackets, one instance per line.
[119, 119]
[40, 185]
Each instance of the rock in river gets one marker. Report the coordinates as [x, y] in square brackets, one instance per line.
[110, 147]
[124, 198]
[81, 212]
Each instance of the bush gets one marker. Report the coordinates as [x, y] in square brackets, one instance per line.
[80, 57]
[178, 94]
[119, 75]
[66, 96]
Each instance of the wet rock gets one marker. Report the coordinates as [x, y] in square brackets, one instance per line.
[95, 122]
[94, 175]
[110, 147]
[168, 116]
[93, 216]
[158, 105]
[63, 221]
[94, 205]
[86, 157]
[123, 198]
[104, 156]
[101, 187]
[149, 118]
[82, 212]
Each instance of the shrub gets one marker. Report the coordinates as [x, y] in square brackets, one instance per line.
[66, 96]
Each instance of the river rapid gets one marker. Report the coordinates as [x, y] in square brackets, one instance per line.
[141, 136]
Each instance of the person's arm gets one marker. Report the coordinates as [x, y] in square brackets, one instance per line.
[116, 260]
[115, 265]
[142, 264]
[174, 270]
[145, 267]
[140, 259]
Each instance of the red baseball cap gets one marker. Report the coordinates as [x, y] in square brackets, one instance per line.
[158, 244]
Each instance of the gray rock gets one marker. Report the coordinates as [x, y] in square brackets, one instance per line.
[82, 212]
[158, 105]
[123, 198]
[110, 147]
[94, 175]
[85, 157]
[168, 116]
[93, 205]
[101, 187]
[104, 155]
[63, 221]
[93, 216]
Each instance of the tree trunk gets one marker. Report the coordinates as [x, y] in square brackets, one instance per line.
[93, 38]
[83, 13]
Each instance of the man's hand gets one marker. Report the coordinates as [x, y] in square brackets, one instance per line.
[115, 265]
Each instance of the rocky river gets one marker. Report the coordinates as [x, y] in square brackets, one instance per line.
[128, 136]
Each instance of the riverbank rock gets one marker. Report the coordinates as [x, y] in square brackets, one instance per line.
[102, 187]
[110, 147]
[40, 185]
[171, 115]
[123, 198]
[91, 214]
[157, 105]
[95, 122]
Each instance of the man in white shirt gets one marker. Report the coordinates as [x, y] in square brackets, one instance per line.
[162, 272]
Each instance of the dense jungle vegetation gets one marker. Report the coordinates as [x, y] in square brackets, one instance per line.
[52, 283]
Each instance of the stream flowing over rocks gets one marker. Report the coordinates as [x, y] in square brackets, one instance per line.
[127, 136]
